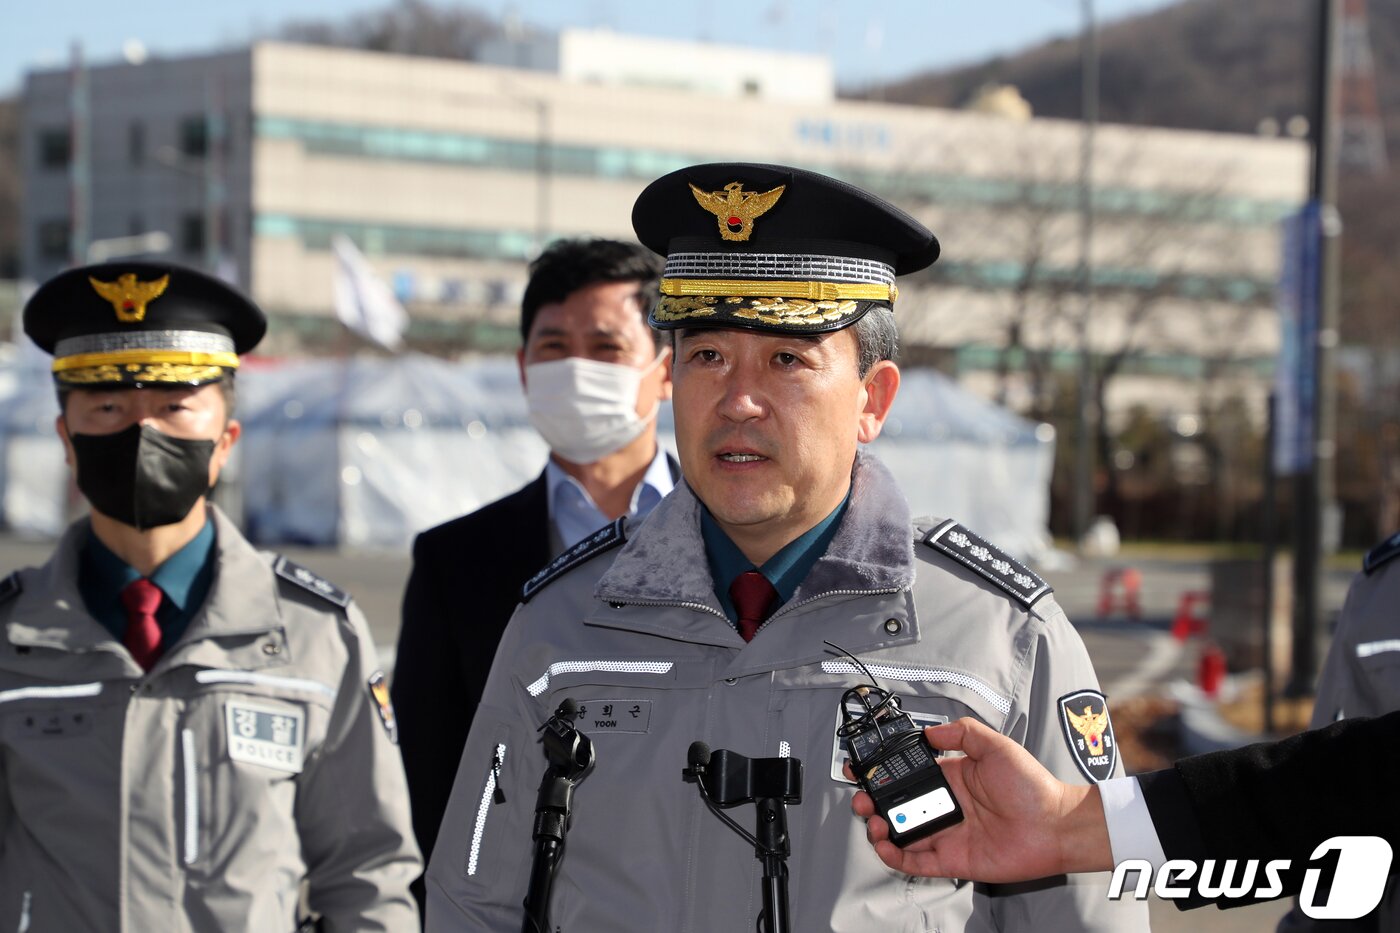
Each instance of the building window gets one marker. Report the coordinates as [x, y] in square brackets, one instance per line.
[136, 142]
[192, 233]
[194, 137]
[53, 239]
[55, 148]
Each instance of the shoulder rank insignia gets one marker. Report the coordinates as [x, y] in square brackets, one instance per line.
[10, 587]
[1381, 553]
[296, 573]
[1089, 733]
[986, 559]
[605, 538]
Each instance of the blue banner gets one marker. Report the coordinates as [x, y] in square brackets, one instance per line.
[1299, 304]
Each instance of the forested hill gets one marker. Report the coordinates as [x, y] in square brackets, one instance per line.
[1200, 64]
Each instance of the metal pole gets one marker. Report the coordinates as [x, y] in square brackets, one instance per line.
[79, 161]
[1316, 490]
[214, 142]
[542, 170]
[1269, 534]
[1085, 419]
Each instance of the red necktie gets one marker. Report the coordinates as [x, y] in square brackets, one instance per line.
[753, 598]
[142, 598]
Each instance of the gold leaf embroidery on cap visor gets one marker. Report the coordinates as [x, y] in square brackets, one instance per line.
[171, 373]
[765, 310]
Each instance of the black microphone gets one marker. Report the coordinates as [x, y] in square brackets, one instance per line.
[699, 759]
[566, 748]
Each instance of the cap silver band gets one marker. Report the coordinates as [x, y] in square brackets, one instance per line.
[194, 341]
[787, 266]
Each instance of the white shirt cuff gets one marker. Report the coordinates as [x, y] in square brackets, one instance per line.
[1130, 830]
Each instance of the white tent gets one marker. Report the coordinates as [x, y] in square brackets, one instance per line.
[367, 451]
[34, 484]
[957, 455]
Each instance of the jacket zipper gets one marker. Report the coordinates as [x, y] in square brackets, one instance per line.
[191, 771]
[829, 593]
[488, 796]
[683, 604]
[783, 611]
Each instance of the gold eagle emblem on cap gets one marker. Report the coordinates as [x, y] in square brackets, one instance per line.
[736, 208]
[129, 296]
[1091, 725]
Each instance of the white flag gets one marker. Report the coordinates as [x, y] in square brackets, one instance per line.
[362, 300]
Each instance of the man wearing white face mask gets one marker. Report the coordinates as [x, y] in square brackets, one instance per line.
[595, 375]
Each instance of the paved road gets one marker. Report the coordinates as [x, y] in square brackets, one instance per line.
[1131, 657]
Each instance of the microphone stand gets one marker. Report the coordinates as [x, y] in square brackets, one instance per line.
[727, 779]
[772, 850]
[570, 755]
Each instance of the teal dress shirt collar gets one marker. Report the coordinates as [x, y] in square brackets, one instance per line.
[785, 570]
[184, 580]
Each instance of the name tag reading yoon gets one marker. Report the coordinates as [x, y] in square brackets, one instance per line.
[265, 736]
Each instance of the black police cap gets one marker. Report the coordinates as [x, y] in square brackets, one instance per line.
[141, 323]
[774, 248]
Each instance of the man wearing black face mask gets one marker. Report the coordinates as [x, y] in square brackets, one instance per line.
[193, 732]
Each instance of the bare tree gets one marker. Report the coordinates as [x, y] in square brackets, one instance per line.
[406, 27]
[1154, 249]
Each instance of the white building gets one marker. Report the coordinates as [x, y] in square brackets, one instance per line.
[450, 175]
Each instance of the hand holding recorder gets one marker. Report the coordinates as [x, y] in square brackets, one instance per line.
[1019, 822]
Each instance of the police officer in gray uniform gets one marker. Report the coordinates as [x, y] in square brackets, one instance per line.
[192, 734]
[1361, 677]
[707, 621]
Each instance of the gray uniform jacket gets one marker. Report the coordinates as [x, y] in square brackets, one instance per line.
[198, 796]
[636, 636]
[1361, 677]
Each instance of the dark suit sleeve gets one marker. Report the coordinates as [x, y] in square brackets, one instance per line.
[1280, 800]
[428, 694]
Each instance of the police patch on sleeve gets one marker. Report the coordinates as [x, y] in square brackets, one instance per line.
[1089, 733]
[379, 693]
[264, 735]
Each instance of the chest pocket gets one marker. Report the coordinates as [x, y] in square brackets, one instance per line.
[240, 746]
[60, 745]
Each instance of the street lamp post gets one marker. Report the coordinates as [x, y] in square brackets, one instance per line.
[1084, 417]
[1316, 492]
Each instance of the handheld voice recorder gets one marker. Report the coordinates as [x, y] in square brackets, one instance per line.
[893, 762]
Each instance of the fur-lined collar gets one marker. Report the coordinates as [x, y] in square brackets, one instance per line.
[664, 559]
